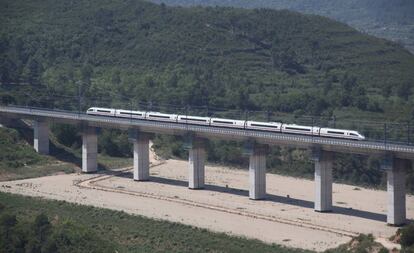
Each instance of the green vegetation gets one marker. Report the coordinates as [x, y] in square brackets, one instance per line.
[31, 224]
[406, 235]
[360, 244]
[37, 225]
[221, 57]
[15, 152]
[18, 159]
[40, 235]
[124, 53]
[392, 20]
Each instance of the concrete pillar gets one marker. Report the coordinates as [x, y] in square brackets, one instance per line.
[141, 156]
[257, 172]
[323, 180]
[41, 137]
[89, 150]
[196, 160]
[396, 214]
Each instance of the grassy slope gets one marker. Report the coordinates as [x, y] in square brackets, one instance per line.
[14, 150]
[18, 159]
[130, 233]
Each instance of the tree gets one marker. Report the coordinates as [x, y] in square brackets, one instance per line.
[116, 77]
[8, 221]
[41, 227]
[404, 90]
[86, 73]
[32, 71]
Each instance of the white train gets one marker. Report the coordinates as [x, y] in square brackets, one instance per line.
[241, 124]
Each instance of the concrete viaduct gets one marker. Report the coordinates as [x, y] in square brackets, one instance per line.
[396, 157]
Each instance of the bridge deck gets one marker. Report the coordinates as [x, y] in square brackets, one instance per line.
[330, 144]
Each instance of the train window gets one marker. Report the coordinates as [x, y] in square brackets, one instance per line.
[298, 128]
[353, 134]
[335, 132]
[133, 113]
[192, 119]
[160, 116]
[259, 125]
[103, 111]
[224, 122]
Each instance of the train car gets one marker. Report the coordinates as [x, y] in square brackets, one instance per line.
[265, 126]
[341, 133]
[298, 129]
[161, 116]
[241, 124]
[130, 114]
[227, 123]
[193, 120]
[101, 111]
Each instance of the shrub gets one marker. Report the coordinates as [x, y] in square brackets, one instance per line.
[407, 237]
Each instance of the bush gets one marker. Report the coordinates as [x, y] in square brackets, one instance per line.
[40, 235]
[360, 244]
[407, 237]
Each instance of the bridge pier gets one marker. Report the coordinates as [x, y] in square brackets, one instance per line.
[257, 173]
[396, 214]
[323, 180]
[141, 156]
[89, 150]
[41, 137]
[196, 159]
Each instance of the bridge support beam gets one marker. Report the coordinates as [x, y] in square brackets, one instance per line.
[196, 160]
[41, 137]
[323, 180]
[396, 214]
[257, 173]
[89, 150]
[141, 156]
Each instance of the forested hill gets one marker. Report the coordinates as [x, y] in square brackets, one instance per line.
[224, 57]
[221, 57]
[392, 20]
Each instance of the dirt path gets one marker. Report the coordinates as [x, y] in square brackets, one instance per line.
[286, 217]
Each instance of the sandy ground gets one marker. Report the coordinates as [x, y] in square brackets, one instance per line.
[286, 217]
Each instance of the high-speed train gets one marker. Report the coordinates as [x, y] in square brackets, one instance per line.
[241, 124]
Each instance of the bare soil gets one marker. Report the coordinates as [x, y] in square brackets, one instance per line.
[285, 217]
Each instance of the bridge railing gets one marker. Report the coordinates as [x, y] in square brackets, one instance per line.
[387, 132]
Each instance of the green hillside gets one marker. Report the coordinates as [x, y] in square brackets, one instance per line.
[121, 53]
[15, 152]
[393, 20]
[223, 57]
[18, 159]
